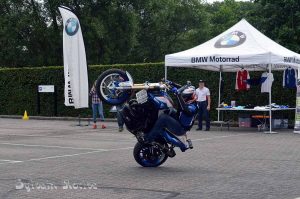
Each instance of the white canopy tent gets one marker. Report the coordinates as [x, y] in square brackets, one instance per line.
[240, 46]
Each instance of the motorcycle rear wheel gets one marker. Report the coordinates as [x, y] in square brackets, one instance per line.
[148, 155]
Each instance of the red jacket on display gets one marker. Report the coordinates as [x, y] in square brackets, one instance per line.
[241, 83]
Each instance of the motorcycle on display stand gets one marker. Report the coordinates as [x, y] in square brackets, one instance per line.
[140, 112]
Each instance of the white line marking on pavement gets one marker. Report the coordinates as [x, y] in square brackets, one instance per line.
[80, 137]
[76, 154]
[49, 146]
[61, 156]
[117, 149]
[31, 135]
[217, 137]
[52, 157]
[95, 150]
[79, 148]
[68, 155]
[10, 161]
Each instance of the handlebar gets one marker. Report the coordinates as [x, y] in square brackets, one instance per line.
[178, 85]
[182, 88]
[166, 85]
[173, 84]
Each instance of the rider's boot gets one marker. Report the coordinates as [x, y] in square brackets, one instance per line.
[171, 153]
[190, 144]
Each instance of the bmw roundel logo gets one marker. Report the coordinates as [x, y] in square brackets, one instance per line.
[232, 39]
[72, 26]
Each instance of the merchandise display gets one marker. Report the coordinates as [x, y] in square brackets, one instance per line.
[250, 106]
[241, 80]
[267, 84]
[289, 78]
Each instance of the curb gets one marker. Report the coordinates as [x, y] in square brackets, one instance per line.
[54, 118]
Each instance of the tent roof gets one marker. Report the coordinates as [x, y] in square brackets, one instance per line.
[240, 46]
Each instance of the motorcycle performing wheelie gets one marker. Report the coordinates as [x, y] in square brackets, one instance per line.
[149, 114]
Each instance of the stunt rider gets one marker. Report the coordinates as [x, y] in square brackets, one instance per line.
[178, 123]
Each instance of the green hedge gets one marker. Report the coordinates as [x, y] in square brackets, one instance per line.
[18, 87]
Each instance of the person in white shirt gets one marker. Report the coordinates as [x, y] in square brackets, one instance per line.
[203, 101]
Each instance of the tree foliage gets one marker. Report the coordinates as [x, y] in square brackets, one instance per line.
[23, 83]
[130, 31]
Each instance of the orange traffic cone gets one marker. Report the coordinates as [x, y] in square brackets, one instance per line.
[25, 117]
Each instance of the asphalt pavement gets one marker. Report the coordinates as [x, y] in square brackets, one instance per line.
[57, 159]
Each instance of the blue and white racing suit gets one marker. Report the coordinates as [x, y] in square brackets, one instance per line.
[177, 124]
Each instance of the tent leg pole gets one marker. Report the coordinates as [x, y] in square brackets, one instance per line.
[166, 72]
[219, 99]
[270, 102]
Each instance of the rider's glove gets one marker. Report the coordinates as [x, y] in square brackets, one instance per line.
[174, 90]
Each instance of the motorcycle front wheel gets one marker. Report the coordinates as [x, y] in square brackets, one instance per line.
[105, 87]
[149, 155]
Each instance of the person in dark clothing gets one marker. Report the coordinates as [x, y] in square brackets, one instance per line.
[119, 118]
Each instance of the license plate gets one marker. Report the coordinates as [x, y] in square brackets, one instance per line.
[141, 96]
